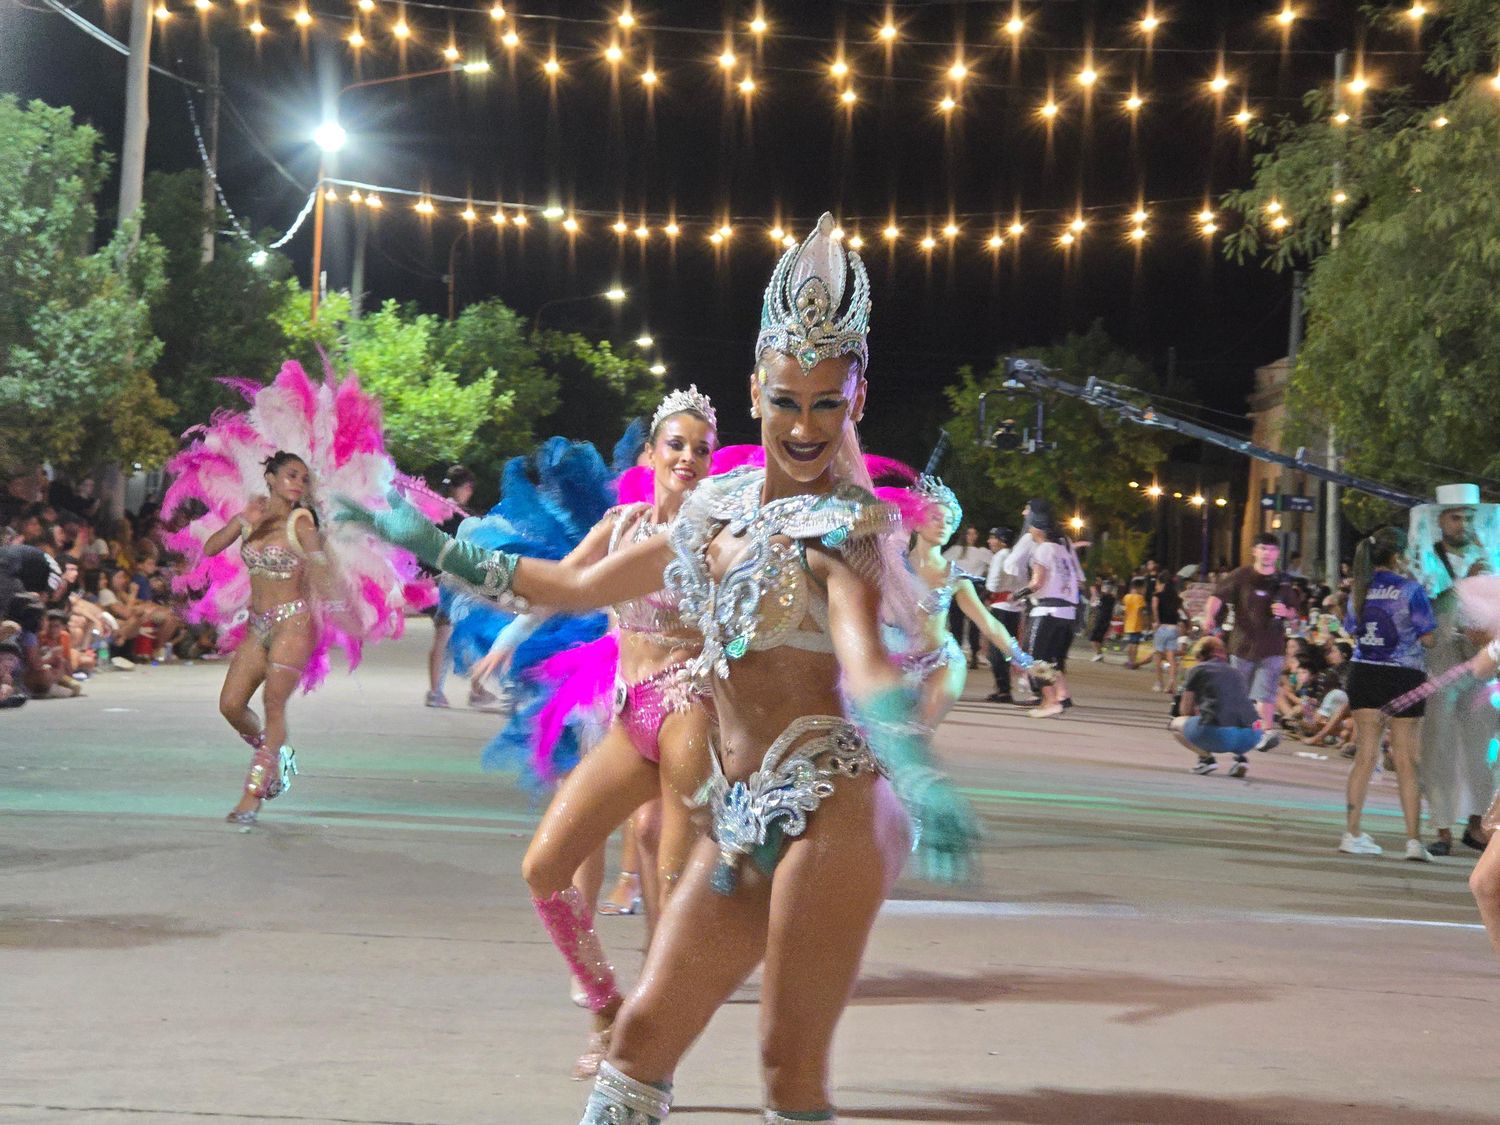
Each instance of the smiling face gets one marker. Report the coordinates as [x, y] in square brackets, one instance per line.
[289, 482]
[803, 417]
[680, 453]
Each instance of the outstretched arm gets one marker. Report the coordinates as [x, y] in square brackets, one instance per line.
[996, 633]
[632, 573]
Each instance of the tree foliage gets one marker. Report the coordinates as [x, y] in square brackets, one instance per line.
[490, 339]
[75, 333]
[214, 319]
[1402, 323]
[1096, 457]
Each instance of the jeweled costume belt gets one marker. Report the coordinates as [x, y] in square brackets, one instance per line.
[755, 817]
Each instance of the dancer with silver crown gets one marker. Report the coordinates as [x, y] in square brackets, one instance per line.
[933, 659]
[786, 572]
[657, 745]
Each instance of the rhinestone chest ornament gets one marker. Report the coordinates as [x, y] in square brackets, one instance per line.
[764, 594]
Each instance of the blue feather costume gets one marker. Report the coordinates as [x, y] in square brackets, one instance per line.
[549, 502]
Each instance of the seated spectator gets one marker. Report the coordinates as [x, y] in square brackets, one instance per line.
[1327, 719]
[12, 689]
[1215, 713]
[42, 666]
[1290, 683]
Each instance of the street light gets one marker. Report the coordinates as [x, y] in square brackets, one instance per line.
[613, 295]
[658, 368]
[644, 340]
[330, 137]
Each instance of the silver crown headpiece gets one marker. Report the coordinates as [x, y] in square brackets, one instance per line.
[934, 491]
[692, 400]
[800, 316]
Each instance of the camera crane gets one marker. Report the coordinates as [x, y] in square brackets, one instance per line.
[1031, 376]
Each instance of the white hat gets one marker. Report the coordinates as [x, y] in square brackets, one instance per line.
[1458, 496]
[1424, 532]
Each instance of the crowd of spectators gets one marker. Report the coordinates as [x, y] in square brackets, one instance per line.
[85, 593]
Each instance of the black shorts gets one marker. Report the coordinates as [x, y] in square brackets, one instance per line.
[1372, 686]
[1051, 638]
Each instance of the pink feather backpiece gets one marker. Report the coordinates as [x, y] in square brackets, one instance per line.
[335, 427]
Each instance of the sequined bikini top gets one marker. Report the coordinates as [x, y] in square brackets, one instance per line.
[767, 595]
[656, 615]
[275, 561]
[938, 598]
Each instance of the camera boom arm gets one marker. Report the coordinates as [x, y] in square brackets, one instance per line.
[1030, 374]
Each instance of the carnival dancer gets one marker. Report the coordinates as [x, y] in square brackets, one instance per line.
[1479, 614]
[933, 657]
[1454, 538]
[786, 572]
[657, 745]
[295, 588]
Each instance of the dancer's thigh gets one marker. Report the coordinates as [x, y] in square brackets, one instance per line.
[684, 769]
[941, 689]
[247, 669]
[827, 892]
[292, 646]
[705, 945]
[609, 784]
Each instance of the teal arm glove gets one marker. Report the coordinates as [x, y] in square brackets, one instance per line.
[403, 525]
[943, 825]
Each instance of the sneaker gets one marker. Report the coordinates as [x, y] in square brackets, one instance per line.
[1417, 853]
[1048, 711]
[436, 699]
[1267, 740]
[999, 697]
[1205, 765]
[1359, 845]
[1156, 688]
[1097, 658]
[482, 699]
[121, 664]
[1240, 768]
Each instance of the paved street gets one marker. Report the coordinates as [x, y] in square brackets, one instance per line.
[1144, 945]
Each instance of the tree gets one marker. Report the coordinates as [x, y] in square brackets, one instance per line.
[1096, 457]
[75, 335]
[214, 319]
[490, 337]
[599, 390]
[1402, 325]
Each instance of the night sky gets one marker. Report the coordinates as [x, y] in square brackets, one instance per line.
[693, 149]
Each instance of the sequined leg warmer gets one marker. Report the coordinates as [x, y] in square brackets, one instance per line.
[568, 924]
[774, 1117]
[619, 1099]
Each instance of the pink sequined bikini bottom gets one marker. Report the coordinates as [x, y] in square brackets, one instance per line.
[642, 707]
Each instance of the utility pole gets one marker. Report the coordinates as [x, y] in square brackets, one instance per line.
[132, 189]
[211, 146]
[1332, 526]
[357, 276]
[137, 77]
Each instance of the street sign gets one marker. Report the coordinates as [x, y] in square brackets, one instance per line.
[1286, 502]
